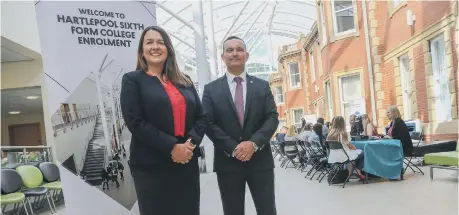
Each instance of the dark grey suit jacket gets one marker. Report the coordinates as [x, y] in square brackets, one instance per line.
[225, 131]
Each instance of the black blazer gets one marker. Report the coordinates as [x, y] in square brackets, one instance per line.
[400, 132]
[260, 123]
[147, 111]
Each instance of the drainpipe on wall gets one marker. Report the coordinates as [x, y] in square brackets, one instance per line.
[370, 63]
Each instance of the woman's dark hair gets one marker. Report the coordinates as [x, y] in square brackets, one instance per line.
[317, 128]
[171, 70]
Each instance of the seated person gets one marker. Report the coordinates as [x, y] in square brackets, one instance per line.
[291, 134]
[280, 137]
[356, 125]
[317, 138]
[338, 133]
[398, 130]
[306, 132]
[368, 128]
[324, 128]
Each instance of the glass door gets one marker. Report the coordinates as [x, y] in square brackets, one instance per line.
[351, 96]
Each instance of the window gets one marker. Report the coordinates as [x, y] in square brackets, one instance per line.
[396, 3]
[313, 69]
[352, 101]
[329, 100]
[281, 124]
[279, 95]
[297, 116]
[441, 79]
[294, 75]
[322, 23]
[406, 80]
[343, 15]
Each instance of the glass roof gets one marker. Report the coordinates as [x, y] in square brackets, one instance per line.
[264, 25]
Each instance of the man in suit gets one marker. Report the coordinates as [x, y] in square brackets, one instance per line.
[242, 118]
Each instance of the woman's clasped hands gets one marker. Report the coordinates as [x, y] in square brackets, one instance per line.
[182, 153]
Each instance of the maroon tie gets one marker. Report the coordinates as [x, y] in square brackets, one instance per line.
[239, 100]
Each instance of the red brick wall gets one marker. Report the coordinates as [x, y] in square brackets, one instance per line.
[394, 32]
[346, 54]
[293, 98]
[395, 27]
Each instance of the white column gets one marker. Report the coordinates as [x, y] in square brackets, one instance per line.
[203, 72]
[271, 58]
[102, 114]
[211, 40]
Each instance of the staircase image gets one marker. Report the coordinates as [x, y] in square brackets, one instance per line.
[94, 159]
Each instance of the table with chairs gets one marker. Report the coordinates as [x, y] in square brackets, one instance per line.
[383, 157]
[39, 182]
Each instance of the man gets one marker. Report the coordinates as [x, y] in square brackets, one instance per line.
[242, 118]
[281, 135]
[356, 125]
[324, 128]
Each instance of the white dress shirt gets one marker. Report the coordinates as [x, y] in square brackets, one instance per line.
[232, 85]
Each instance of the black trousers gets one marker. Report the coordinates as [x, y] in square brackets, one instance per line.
[359, 161]
[168, 191]
[261, 185]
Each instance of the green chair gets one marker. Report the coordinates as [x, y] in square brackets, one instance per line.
[51, 175]
[11, 183]
[32, 179]
[442, 160]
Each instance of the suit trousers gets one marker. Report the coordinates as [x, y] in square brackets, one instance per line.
[232, 191]
[168, 191]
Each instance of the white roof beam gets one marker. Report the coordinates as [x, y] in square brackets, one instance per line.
[297, 14]
[178, 12]
[271, 18]
[254, 21]
[242, 23]
[235, 19]
[303, 2]
[257, 41]
[191, 25]
[227, 5]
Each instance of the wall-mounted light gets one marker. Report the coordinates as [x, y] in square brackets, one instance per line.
[32, 97]
[14, 112]
[410, 18]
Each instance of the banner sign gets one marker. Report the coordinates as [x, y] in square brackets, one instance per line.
[86, 47]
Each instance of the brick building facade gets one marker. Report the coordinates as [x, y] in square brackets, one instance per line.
[347, 69]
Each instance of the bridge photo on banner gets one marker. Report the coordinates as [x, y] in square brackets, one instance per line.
[86, 49]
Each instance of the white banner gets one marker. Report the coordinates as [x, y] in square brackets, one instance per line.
[86, 47]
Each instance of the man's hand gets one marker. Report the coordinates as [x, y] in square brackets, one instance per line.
[182, 153]
[244, 151]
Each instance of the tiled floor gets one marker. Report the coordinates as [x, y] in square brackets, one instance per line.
[416, 195]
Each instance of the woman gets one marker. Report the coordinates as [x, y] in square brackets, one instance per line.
[368, 128]
[317, 137]
[306, 132]
[164, 114]
[291, 134]
[398, 130]
[338, 133]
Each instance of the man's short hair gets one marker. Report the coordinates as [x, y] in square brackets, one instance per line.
[321, 120]
[233, 38]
